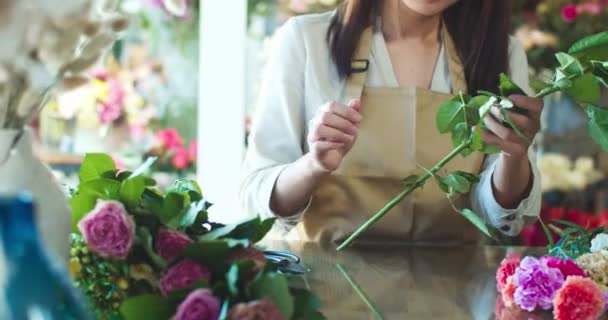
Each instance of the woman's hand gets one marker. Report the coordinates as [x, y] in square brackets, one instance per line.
[332, 133]
[505, 138]
[512, 176]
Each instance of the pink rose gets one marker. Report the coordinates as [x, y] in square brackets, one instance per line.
[108, 230]
[181, 159]
[199, 305]
[169, 244]
[257, 310]
[193, 151]
[569, 13]
[182, 275]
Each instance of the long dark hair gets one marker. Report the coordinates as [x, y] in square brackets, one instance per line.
[480, 29]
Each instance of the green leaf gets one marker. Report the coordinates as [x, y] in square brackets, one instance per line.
[459, 182]
[410, 181]
[145, 238]
[601, 75]
[146, 307]
[476, 221]
[174, 205]
[539, 86]
[598, 125]
[274, 286]
[593, 47]
[569, 64]
[449, 114]
[460, 134]
[131, 191]
[584, 89]
[187, 186]
[306, 305]
[81, 205]
[193, 212]
[143, 168]
[570, 224]
[232, 279]
[213, 253]
[507, 87]
[548, 233]
[477, 143]
[253, 230]
[152, 200]
[101, 188]
[94, 165]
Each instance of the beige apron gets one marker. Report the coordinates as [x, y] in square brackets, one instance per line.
[397, 132]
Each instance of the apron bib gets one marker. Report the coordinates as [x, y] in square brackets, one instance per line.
[396, 134]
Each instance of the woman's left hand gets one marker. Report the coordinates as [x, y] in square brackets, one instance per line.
[505, 138]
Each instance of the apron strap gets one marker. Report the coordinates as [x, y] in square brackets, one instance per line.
[455, 66]
[359, 67]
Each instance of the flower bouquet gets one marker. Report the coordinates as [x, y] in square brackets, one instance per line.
[571, 279]
[138, 253]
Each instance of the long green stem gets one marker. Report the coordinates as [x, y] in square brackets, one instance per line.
[420, 182]
[360, 292]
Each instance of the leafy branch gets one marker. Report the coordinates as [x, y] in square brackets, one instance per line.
[580, 74]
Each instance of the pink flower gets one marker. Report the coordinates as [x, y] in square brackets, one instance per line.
[578, 299]
[262, 309]
[137, 131]
[199, 305]
[193, 151]
[181, 159]
[506, 269]
[108, 230]
[182, 275]
[536, 284]
[169, 139]
[593, 8]
[567, 266]
[169, 244]
[120, 165]
[111, 108]
[99, 73]
[508, 293]
[569, 13]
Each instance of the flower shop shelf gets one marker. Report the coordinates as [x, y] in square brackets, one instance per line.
[386, 281]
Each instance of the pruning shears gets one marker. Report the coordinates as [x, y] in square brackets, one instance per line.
[286, 262]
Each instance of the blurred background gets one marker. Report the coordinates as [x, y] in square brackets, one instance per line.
[168, 89]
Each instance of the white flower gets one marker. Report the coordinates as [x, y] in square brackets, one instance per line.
[600, 243]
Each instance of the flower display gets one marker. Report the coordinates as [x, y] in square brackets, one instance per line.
[596, 266]
[578, 299]
[173, 152]
[138, 249]
[199, 305]
[560, 173]
[108, 230]
[567, 266]
[182, 275]
[536, 284]
[507, 268]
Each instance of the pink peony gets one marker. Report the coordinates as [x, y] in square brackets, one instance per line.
[257, 310]
[569, 13]
[169, 139]
[170, 244]
[506, 269]
[508, 293]
[567, 266]
[108, 230]
[182, 275]
[199, 305]
[181, 159]
[193, 151]
[578, 299]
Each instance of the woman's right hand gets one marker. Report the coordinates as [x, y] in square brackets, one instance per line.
[332, 133]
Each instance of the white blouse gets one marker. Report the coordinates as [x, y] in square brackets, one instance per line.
[301, 76]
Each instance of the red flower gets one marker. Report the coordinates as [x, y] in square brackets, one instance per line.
[181, 159]
[169, 139]
[567, 266]
[578, 299]
[506, 269]
[508, 293]
[569, 13]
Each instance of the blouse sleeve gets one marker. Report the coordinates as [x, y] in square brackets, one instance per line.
[278, 129]
[509, 221]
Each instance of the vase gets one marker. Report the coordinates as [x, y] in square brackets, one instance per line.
[22, 171]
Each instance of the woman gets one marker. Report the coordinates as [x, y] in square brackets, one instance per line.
[348, 107]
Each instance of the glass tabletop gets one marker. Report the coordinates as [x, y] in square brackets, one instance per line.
[402, 281]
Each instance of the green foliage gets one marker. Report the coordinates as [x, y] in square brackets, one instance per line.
[594, 47]
[598, 125]
[575, 240]
[147, 307]
[94, 165]
[274, 286]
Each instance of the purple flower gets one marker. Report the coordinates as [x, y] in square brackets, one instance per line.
[182, 275]
[567, 266]
[108, 230]
[169, 244]
[536, 284]
[199, 305]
